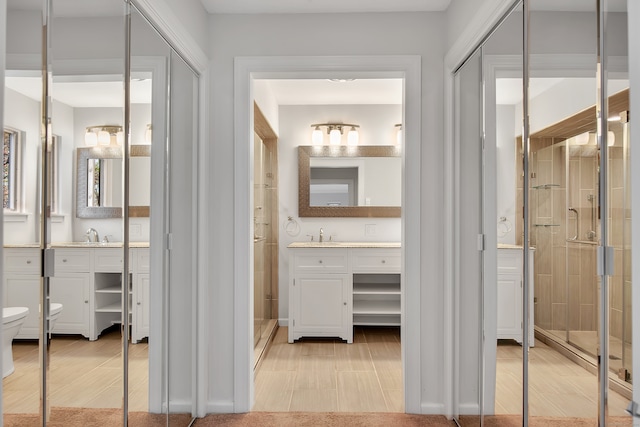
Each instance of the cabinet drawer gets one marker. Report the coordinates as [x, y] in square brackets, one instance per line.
[321, 260]
[373, 260]
[24, 261]
[509, 261]
[109, 260]
[72, 260]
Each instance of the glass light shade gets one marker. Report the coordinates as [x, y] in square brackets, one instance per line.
[611, 139]
[352, 137]
[316, 136]
[120, 138]
[104, 138]
[399, 136]
[582, 139]
[335, 137]
[90, 139]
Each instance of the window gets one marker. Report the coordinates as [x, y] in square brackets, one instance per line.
[11, 170]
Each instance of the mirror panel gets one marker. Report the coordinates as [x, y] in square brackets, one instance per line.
[346, 181]
[99, 182]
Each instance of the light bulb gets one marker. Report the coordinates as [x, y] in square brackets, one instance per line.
[611, 138]
[335, 136]
[120, 138]
[104, 138]
[316, 136]
[399, 137]
[352, 137]
[90, 139]
[148, 135]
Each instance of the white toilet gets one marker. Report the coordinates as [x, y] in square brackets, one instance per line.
[12, 320]
[54, 312]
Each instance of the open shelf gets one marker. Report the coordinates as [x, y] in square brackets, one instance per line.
[376, 299]
[372, 306]
[109, 290]
[111, 308]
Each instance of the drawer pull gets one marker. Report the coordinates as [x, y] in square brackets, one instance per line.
[29, 261]
[86, 301]
[64, 260]
[383, 261]
[320, 261]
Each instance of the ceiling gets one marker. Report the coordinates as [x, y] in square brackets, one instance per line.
[301, 91]
[85, 8]
[323, 6]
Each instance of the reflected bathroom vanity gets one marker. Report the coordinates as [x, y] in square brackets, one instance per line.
[87, 282]
[336, 285]
[509, 293]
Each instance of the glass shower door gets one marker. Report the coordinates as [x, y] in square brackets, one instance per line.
[582, 238]
[620, 327]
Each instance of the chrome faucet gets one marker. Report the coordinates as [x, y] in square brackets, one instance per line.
[92, 235]
[321, 238]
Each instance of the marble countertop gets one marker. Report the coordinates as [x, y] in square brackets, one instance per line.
[511, 246]
[345, 245]
[79, 245]
[508, 246]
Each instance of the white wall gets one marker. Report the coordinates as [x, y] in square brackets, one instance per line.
[506, 173]
[266, 101]
[376, 128]
[304, 35]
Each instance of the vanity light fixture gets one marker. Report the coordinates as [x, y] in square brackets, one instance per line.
[103, 135]
[335, 133]
[398, 134]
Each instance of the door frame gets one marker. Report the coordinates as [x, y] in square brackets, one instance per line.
[245, 70]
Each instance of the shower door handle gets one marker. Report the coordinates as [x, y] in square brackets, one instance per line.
[575, 211]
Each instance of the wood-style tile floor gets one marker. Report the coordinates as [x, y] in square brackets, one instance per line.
[557, 386]
[81, 374]
[366, 376]
[324, 375]
[310, 375]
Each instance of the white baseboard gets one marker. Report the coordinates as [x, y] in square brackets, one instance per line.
[432, 408]
[283, 321]
[220, 407]
[469, 409]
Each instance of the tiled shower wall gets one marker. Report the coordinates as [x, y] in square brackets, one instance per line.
[566, 281]
[565, 276]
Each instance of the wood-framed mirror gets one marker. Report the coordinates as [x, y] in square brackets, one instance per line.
[99, 182]
[349, 181]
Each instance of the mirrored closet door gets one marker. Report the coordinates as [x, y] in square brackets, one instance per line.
[556, 192]
[99, 113]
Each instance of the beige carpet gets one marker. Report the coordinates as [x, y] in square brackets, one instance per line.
[70, 417]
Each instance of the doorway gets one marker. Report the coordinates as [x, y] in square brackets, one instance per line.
[248, 69]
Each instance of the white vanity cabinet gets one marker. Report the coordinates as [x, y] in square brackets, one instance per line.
[509, 294]
[336, 286]
[22, 286]
[140, 295]
[320, 294]
[87, 282]
[71, 287]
